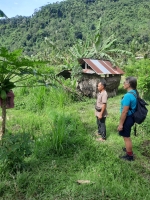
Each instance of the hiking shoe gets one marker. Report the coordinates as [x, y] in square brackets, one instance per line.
[127, 157]
[124, 149]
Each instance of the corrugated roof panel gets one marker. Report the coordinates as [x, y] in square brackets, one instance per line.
[119, 70]
[109, 66]
[103, 66]
[100, 66]
[93, 66]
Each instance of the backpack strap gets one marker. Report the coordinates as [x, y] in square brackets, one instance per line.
[132, 112]
[136, 99]
[135, 129]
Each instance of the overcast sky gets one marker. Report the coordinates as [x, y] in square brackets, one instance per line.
[11, 8]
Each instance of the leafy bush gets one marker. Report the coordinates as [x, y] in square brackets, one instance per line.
[141, 70]
[13, 151]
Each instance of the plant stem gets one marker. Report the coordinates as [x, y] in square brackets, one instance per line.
[3, 118]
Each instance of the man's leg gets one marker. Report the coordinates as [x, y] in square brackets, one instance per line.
[103, 128]
[128, 144]
[129, 153]
[99, 126]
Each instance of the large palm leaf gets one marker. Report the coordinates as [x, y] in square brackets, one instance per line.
[104, 48]
[82, 49]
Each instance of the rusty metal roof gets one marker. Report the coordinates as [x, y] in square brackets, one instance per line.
[100, 67]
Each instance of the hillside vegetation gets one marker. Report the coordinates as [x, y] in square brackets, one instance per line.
[67, 21]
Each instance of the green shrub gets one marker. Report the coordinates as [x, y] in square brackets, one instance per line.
[141, 70]
[13, 151]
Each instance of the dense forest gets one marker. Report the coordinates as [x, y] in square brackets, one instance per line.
[67, 21]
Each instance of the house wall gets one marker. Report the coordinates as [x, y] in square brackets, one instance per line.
[87, 84]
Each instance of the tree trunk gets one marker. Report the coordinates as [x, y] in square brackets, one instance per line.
[3, 118]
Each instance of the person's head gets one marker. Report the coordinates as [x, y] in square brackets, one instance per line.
[130, 82]
[101, 85]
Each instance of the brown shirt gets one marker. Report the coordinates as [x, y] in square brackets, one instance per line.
[101, 99]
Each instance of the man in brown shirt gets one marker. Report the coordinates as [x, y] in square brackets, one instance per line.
[100, 110]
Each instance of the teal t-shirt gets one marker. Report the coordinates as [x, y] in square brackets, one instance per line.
[129, 100]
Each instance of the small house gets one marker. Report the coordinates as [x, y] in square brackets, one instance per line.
[95, 70]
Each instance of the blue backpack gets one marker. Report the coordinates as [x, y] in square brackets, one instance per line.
[141, 111]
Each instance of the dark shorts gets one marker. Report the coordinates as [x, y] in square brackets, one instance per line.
[129, 122]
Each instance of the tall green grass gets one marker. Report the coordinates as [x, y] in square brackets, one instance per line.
[41, 98]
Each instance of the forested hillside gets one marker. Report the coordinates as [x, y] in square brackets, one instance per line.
[67, 21]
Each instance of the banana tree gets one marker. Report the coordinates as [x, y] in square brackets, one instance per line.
[14, 68]
[98, 48]
[106, 48]
[82, 49]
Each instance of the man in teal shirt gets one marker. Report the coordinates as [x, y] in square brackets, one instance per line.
[128, 106]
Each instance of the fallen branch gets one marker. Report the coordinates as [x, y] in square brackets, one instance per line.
[69, 90]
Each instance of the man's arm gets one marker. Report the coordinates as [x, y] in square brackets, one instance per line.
[123, 117]
[102, 110]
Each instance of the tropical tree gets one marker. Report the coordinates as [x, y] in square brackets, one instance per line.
[2, 14]
[98, 47]
[51, 53]
[82, 49]
[14, 68]
[140, 69]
